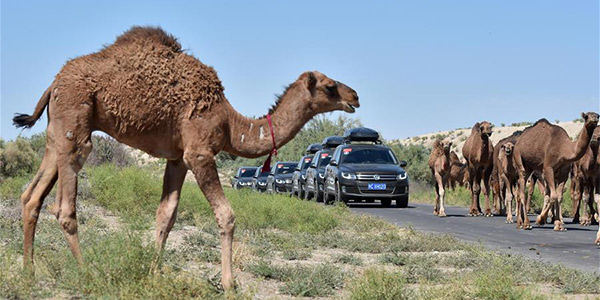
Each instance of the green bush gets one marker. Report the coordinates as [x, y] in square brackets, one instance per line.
[17, 158]
[108, 150]
[379, 284]
[417, 157]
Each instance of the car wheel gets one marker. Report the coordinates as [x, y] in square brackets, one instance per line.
[402, 202]
[338, 195]
[386, 202]
[300, 191]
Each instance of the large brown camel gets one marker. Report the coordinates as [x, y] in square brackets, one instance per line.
[458, 172]
[478, 151]
[547, 149]
[146, 92]
[439, 163]
[583, 181]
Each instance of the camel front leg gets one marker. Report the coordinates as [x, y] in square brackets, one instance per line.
[508, 198]
[522, 218]
[443, 196]
[549, 197]
[559, 223]
[438, 189]
[204, 168]
[475, 209]
[486, 191]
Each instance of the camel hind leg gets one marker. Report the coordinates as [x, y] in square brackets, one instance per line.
[33, 198]
[487, 172]
[203, 166]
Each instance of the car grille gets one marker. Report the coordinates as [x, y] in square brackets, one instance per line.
[372, 177]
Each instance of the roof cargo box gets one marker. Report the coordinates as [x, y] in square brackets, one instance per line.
[361, 134]
[312, 149]
[333, 141]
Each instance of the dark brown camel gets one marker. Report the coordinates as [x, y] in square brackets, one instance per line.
[547, 149]
[458, 172]
[583, 181]
[478, 151]
[146, 92]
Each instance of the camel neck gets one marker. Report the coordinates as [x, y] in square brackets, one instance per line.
[580, 146]
[252, 137]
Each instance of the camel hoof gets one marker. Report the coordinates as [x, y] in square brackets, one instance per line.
[442, 215]
[489, 215]
[519, 226]
[509, 221]
[435, 213]
[597, 241]
[540, 221]
[528, 227]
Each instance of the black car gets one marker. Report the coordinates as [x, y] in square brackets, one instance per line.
[316, 170]
[243, 177]
[299, 177]
[280, 177]
[259, 181]
[365, 169]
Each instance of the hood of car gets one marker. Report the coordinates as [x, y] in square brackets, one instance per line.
[245, 179]
[261, 179]
[371, 168]
[284, 176]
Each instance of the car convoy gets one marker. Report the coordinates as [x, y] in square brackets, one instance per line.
[355, 167]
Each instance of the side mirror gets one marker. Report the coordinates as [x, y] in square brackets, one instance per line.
[236, 177]
[403, 163]
[333, 162]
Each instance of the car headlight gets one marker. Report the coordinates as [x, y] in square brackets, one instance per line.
[279, 180]
[402, 176]
[321, 175]
[348, 175]
[288, 181]
[262, 183]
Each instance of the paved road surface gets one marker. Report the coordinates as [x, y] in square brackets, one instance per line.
[573, 248]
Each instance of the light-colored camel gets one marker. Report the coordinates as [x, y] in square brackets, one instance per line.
[583, 181]
[547, 149]
[478, 151]
[439, 163]
[508, 177]
[146, 92]
[458, 172]
[495, 181]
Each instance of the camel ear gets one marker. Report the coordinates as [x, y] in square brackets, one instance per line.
[311, 80]
[584, 116]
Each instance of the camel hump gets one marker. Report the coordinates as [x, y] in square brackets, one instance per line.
[143, 34]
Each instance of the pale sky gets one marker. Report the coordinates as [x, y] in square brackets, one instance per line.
[418, 66]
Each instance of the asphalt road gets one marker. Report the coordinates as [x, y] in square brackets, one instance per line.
[573, 248]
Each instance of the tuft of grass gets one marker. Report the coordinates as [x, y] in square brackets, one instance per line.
[301, 281]
[379, 284]
[348, 259]
[296, 254]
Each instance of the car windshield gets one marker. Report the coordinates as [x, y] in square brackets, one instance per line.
[246, 172]
[325, 158]
[261, 174]
[285, 169]
[367, 156]
[306, 162]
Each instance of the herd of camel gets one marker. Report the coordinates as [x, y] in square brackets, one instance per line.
[541, 154]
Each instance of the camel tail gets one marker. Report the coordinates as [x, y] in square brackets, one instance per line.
[27, 121]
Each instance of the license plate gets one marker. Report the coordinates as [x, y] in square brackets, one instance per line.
[376, 186]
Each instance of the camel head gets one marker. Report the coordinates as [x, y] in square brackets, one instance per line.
[508, 148]
[327, 94]
[447, 144]
[590, 119]
[485, 128]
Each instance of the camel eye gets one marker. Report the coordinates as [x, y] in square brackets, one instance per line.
[332, 89]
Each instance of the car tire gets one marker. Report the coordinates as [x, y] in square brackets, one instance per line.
[338, 196]
[402, 202]
[386, 202]
[300, 191]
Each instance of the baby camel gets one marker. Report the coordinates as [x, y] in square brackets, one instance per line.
[146, 92]
[439, 163]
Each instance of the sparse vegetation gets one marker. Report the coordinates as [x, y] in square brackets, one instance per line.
[521, 124]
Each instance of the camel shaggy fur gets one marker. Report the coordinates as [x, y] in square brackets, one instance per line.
[478, 151]
[439, 163]
[146, 92]
[547, 149]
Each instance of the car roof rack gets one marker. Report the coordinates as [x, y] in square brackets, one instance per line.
[313, 148]
[361, 134]
[332, 141]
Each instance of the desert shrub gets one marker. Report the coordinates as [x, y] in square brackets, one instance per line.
[521, 124]
[17, 158]
[12, 188]
[379, 284]
[416, 156]
[109, 150]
